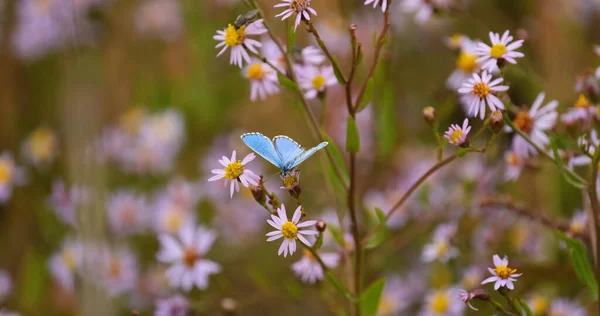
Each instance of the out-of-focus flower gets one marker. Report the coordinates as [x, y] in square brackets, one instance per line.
[315, 79]
[385, 201]
[443, 302]
[301, 8]
[478, 92]
[312, 56]
[466, 297]
[588, 146]
[578, 224]
[10, 175]
[169, 216]
[65, 202]
[503, 275]
[119, 271]
[583, 111]
[6, 285]
[534, 123]
[457, 40]
[466, 62]
[289, 230]
[384, 4]
[471, 277]
[173, 306]
[423, 9]
[587, 82]
[501, 49]
[308, 268]
[159, 19]
[399, 294]
[64, 264]
[127, 212]
[457, 135]
[263, 80]
[563, 306]
[238, 220]
[237, 39]
[235, 171]
[539, 304]
[439, 250]
[186, 255]
[5, 312]
[41, 147]
[183, 193]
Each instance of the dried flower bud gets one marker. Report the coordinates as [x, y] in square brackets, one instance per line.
[352, 27]
[496, 121]
[480, 294]
[258, 193]
[321, 226]
[228, 305]
[429, 114]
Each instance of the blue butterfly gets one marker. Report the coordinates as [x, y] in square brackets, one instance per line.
[282, 151]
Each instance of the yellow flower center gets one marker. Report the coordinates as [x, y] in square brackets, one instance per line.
[498, 50]
[440, 303]
[582, 102]
[512, 159]
[318, 82]
[576, 227]
[456, 135]
[42, 143]
[504, 272]
[289, 230]
[114, 268]
[131, 120]
[68, 258]
[299, 5]
[441, 248]
[234, 170]
[466, 62]
[190, 256]
[6, 171]
[255, 72]
[173, 221]
[289, 182]
[386, 306]
[233, 36]
[481, 89]
[539, 305]
[524, 121]
[456, 40]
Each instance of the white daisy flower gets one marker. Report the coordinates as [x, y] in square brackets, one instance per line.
[478, 92]
[443, 302]
[172, 306]
[237, 39]
[127, 212]
[315, 79]
[41, 147]
[170, 216]
[471, 277]
[456, 41]
[64, 264]
[312, 55]
[384, 4]
[578, 224]
[119, 272]
[514, 166]
[583, 111]
[263, 80]
[289, 230]
[502, 274]
[565, 307]
[466, 63]
[457, 135]
[301, 8]
[308, 268]
[235, 171]
[187, 256]
[534, 123]
[501, 49]
[438, 250]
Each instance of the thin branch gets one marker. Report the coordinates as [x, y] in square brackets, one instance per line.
[334, 62]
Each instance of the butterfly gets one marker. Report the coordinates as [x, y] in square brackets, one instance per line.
[282, 151]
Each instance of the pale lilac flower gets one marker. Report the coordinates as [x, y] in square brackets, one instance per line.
[235, 171]
[127, 212]
[466, 63]
[263, 80]
[119, 273]
[466, 297]
[172, 306]
[5, 312]
[384, 4]
[186, 254]
[457, 135]
[578, 223]
[170, 216]
[442, 302]
[10, 175]
[308, 268]
[478, 92]
[503, 275]
[471, 277]
[562, 306]
[64, 264]
[445, 231]
[238, 220]
[589, 146]
[582, 111]
[41, 147]
[289, 230]
[501, 49]
[423, 9]
[400, 293]
[314, 80]
[534, 123]
[65, 202]
[301, 8]
[182, 192]
[159, 19]
[312, 56]
[6, 285]
[237, 39]
[439, 250]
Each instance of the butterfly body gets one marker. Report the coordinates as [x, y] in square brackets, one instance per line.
[282, 151]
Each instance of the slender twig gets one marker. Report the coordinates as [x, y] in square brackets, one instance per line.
[314, 253]
[334, 62]
[489, 202]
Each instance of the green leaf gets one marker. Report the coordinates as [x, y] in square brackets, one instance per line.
[381, 233]
[369, 300]
[338, 286]
[337, 234]
[360, 57]
[291, 38]
[352, 136]
[286, 82]
[338, 158]
[525, 308]
[367, 96]
[581, 264]
[336, 70]
[386, 123]
[461, 152]
[381, 217]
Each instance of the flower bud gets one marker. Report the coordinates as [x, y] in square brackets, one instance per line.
[321, 226]
[258, 193]
[291, 182]
[480, 294]
[429, 114]
[496, 121]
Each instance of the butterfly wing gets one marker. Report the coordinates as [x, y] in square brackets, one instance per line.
[288, 150]
[306, 153]
[263, 146]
